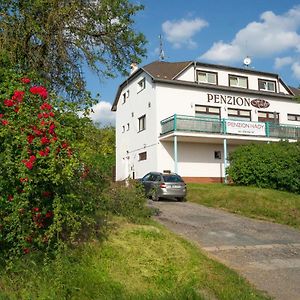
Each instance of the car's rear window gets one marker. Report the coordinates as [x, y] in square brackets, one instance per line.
[172, 178]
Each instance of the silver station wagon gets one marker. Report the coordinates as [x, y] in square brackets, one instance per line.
[158, 185]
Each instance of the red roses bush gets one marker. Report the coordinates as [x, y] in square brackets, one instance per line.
[39, 169]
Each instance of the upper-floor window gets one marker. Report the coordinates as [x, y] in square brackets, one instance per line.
[238, 81]
[125, 96]
[266, 85]
[267, 116]
[142, 156]
[142, 123]
[207, 77]
[239, 114]
[292, 117]
[141, 84]
[207, 111]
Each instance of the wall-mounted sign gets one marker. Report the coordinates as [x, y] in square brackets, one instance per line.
[236, 100]
[245, 128]
[260, 103]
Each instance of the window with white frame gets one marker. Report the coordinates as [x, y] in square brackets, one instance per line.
[206, 77]
[239, 114]
[238, 81]
[207, 111]
[292, 117]
[141, 84]
[142, 123]
[267, 116]
[266, 85]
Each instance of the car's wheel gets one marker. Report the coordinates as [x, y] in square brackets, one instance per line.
[154, 195]
[181, 199]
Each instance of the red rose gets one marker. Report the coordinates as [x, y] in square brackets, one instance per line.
[30, 138]
[8, 102]
[36, 209]
[51, 114]
[49, 214]
[25, 80]
[39, 90]
[37, 131]
[45, 140]
[40, 116]
[18, 96]
[45, 106]
[17, 109]
[51, 128]
[46, 194]
[28, 165]
[32, 158]
[4, 122]
[26, 250]
[1, 116]
[10, 198]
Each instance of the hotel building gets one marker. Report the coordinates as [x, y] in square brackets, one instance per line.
[186, 117]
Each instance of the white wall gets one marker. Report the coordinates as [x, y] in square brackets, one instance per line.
[130, 143]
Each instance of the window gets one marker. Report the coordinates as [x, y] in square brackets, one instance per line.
[206, 77]
[127, 127]
[207, 111]
[265, 116]
[125, 96]
[142, 123]
[123, 128]
[266, 85]
[141, 85]
[142, 156]
[293, 117]
[218, 155]
[239, 114]
[238, 81]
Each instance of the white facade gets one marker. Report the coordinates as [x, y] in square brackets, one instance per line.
[206, 120]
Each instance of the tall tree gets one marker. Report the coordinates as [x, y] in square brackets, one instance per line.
[56, 38]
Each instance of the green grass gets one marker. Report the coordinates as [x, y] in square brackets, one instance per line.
[272, 205]
[136, 262]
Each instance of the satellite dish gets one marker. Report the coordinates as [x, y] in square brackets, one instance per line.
[247, 61]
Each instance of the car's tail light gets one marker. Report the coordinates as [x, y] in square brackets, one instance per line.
[162, 185]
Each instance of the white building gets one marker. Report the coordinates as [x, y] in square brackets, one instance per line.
[185, 117]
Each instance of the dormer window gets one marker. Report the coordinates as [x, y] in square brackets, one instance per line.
[206, 77]
[141, 85]
[266, 85]
[238, 81]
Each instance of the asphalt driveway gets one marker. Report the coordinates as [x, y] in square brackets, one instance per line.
[267, 254]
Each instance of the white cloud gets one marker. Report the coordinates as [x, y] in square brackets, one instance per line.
[272, 35]
[181, 32]
[296, 69]
[282, 62]
[102, 114]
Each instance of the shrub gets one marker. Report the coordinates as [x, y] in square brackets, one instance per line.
[126, 200]
[40, 171]
[274, 165]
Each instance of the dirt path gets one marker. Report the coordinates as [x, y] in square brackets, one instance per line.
[267, 254]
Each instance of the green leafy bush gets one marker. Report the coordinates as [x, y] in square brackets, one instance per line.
[40, 173]
[274, 165]
[126, 200]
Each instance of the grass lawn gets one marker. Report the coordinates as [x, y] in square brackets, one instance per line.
[276, 206]
[135, 262]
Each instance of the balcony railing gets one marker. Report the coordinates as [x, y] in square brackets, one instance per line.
[216, 126]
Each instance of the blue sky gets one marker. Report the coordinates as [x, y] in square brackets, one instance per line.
[221, 32]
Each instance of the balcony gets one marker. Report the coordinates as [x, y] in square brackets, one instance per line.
[229, 127]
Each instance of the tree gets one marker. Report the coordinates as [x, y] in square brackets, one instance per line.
[56, 38]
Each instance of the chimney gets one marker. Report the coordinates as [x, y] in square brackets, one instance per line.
[133, 67]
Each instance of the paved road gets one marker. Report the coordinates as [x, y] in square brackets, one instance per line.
[267, 254]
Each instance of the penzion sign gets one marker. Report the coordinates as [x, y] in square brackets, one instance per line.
[236, 101]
